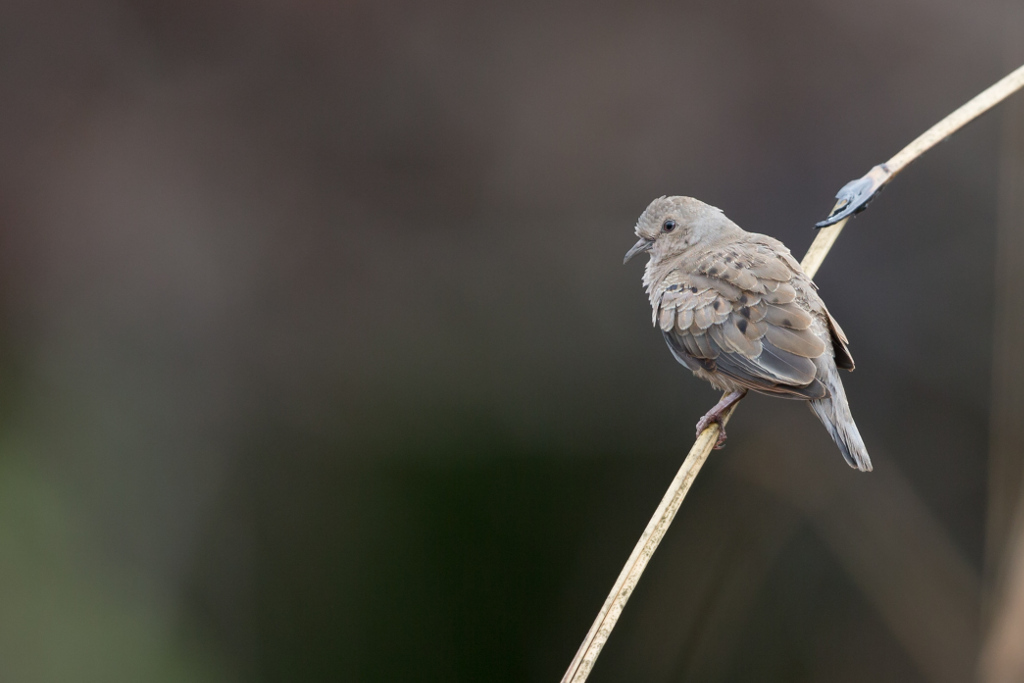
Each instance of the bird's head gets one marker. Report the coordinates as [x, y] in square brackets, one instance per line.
[671, 225]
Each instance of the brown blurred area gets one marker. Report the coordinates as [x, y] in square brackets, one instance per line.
[319, 361]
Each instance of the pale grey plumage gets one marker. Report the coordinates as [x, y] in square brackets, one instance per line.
[737, 309]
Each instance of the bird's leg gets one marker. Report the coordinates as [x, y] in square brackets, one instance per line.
[715, 415]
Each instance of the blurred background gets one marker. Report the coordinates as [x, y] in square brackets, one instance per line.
[318, 361]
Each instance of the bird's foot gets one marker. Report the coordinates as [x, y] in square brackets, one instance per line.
[714, 416]
[709, 419]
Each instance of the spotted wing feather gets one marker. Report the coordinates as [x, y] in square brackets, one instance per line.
[737, 315]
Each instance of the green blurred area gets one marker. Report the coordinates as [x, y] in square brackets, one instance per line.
[68, 616]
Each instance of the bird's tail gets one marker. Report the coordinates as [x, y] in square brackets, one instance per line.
[834, 413]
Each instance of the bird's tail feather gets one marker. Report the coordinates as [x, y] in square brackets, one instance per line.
[834, 413]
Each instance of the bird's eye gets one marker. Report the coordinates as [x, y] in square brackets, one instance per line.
[668, 226]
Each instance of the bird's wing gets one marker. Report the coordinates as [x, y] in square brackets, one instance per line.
[844, 359]
[734, 312]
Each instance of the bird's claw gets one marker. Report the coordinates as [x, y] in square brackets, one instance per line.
[706, 421]
[855, 195]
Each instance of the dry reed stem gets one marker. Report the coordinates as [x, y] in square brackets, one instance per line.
[581, 665]
[1002, 657]
[974, 108]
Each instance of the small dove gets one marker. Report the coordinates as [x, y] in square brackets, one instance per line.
[738, 310]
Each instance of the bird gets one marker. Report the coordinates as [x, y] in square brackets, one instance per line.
[737, 309]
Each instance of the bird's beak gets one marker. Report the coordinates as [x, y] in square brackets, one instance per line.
[643, 244]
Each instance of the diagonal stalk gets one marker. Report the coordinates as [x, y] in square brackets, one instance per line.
[581, 665]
